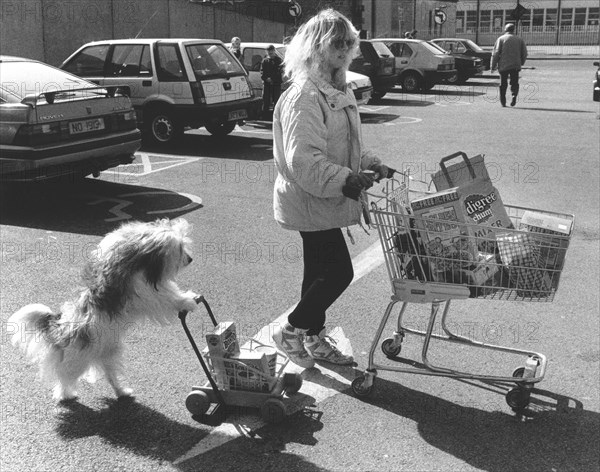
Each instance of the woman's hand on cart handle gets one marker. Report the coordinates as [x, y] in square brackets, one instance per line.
[382, 172]
[355, 183]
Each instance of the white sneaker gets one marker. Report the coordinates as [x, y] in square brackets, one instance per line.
[291, 343]
[320, 349]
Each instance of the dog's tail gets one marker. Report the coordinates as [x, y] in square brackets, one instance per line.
[30, 327]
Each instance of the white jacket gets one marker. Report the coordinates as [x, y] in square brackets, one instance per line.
[317, 144]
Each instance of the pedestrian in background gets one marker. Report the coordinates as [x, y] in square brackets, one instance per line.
[236, 47]
[272, 76]
[317, 147]
[508, 56]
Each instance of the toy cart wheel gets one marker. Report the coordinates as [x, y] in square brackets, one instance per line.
[292, 382]
[519, 372]
[273, 410]
[197, 402]
[388, 348]
[359, 388]
[518, 398]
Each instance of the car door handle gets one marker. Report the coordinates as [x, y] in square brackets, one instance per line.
[146, 83]
[403, 62]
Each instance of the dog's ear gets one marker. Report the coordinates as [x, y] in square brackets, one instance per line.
[154, 263]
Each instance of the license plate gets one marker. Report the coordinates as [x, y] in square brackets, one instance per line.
[85, 126]
[237, 115]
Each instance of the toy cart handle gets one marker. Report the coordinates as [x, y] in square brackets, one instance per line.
[182, 316]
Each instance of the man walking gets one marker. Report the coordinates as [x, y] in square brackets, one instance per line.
[271, 75]
[509, 54]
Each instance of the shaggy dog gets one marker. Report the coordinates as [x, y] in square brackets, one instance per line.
[128, 279]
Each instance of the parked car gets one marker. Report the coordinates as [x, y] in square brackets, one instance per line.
[596, 85]
[172, 83]
[54, 124]
[419, 65]
[466, 47]
[466, 66]
[253, 54]
[375, 61]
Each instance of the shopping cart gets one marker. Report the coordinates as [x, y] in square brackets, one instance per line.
[517, 264]
[231, 383]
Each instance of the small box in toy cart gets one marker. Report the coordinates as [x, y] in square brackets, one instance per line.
[440, 221]
[222, 340]
[250, 370]
[553, 234]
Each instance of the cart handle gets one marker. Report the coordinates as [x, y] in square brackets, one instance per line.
[182, 316]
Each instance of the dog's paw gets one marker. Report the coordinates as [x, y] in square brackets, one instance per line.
[65, 394]
[189, 303]
[124, 392]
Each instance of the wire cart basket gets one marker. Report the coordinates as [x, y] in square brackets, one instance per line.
[239, 383]
[523, 263]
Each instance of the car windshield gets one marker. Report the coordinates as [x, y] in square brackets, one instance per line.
[474, 46]
[212, 59]
[434, 48]
[382, 49]
[28, 78]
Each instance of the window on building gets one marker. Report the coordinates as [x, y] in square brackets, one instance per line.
[485, 21]
[537, 19]
[593, 17]
[566, 19]
[471, 21]
[551, 18]
[579, 19]
[525, 21]
[497, 20]
[460, 21]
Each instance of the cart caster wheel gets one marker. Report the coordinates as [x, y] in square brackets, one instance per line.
[388, 348]
[197, 402]
[292, 382]
[519, 372]
[518, 398]
[273, 410]
[359, 388]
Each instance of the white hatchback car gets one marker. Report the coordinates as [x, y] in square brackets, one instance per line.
[172, 83]
[253, 53]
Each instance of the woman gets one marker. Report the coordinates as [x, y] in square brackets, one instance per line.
[319, 157]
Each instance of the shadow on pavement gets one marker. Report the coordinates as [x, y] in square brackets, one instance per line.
[89, 206]
[554, 433]
[130, 425]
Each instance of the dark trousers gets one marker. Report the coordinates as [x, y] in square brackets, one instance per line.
[514, 83]
[327, 273]
[271, 93]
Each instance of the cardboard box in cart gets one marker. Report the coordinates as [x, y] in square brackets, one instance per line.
[440, 220]
[552, 249]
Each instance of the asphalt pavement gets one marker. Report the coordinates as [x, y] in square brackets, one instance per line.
[541, 154]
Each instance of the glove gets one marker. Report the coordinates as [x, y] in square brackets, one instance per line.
[355, 183]
[383, 171]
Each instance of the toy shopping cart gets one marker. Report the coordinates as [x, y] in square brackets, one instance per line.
[233, 383]
[522, 264]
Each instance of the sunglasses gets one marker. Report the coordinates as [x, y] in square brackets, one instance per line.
[343, 43]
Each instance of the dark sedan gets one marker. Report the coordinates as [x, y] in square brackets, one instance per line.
[466, 66]
[466, 47]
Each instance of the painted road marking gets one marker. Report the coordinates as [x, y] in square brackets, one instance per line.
[318, 384]
[149, 163]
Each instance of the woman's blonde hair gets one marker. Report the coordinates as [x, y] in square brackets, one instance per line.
[306, 52]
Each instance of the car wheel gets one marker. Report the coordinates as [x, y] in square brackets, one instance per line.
[221, 129]
[162, 127]
[412, 82]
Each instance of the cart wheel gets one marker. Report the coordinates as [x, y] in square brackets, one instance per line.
[359, 389]
[518, 398]
[197, 402]
[519, 372]
[292, 382]
[388, 348]
[273, 410]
